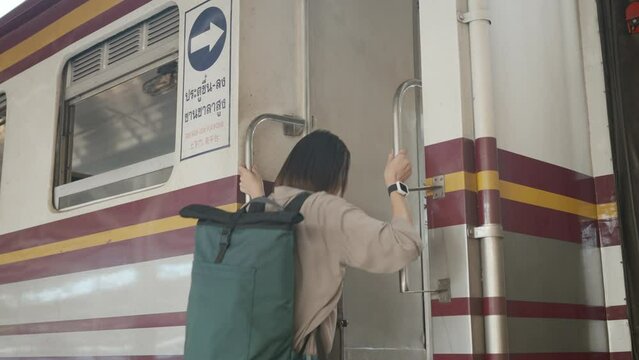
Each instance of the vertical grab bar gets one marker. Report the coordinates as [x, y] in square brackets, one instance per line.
[397, 118]
[404, 286]
[250, 133]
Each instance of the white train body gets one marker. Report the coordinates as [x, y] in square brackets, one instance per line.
[95, 262]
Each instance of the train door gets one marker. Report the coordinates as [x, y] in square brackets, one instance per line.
[360, 51]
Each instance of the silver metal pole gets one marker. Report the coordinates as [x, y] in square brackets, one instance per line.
[492, 254]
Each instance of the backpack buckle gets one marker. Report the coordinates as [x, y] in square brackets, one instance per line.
[224, 244]
[220, 254]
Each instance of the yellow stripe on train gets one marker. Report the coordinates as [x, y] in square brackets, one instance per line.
[55, 30]
[105, 237]
[489, 180]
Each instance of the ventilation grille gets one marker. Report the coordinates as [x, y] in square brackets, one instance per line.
[86, 64]
[159, 29]
[163, 26]
[124, 45]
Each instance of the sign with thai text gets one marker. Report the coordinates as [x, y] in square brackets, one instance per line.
[206, 108]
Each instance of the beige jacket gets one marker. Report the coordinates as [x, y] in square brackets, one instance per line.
[333, 235]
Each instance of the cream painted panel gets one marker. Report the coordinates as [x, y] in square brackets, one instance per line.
[115, 291]
[449, 248]
[151, 341]
[532, 335]
[540, 101]
[271, 76]
[619, 334]
[452, 334]
[547, 270]
[595, 89]
[445, 72]
[29, 164]
[613, 275]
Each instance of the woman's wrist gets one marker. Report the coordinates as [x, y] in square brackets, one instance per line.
[258, 193]
[389, 182]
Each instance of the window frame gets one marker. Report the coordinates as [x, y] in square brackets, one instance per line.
[148, 58]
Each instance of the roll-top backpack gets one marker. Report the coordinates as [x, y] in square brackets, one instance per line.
[242, 293]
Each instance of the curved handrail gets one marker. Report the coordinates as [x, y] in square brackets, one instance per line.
[404, 285]
[250, 133]
[397, 108]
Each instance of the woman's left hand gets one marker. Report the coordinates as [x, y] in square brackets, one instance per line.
[251, 182]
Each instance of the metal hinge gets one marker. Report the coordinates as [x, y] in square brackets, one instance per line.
[294, 130]
[442, 292]
[437, 189]
[468, 17]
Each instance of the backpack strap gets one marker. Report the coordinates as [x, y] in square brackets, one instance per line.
[296, 204]
[259, 205]
[227, 234]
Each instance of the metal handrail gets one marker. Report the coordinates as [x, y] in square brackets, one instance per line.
[250, 133]
[404, 285]
[397, 108]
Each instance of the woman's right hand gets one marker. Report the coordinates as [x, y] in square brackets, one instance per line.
[251, 182]
[398, 168]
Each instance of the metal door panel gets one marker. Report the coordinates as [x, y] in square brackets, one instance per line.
[361, 50]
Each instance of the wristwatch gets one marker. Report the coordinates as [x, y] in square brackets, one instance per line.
[400, 187]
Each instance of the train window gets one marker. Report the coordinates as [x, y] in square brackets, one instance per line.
[3, 121]
[117, 125]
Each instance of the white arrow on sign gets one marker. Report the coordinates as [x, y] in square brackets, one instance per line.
[207, 39]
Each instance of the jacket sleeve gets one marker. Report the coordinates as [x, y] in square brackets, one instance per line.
[365, 242]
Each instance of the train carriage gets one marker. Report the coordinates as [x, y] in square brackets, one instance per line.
[114, 114]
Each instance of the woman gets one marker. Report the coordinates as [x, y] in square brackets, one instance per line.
[334, 233]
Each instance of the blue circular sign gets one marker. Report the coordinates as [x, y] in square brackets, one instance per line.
[207, 38]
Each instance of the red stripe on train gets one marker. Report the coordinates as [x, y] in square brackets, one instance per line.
[458, 208]
[110, 323]
[547, 223]
[72, 36]
[539, 356]
[487, 146]
[219, 192]
[458, 155]
[541, 175]
[618, 312]
[28, 9]
[42, 14]
[526, 309]
[449, 157]
[120, 357]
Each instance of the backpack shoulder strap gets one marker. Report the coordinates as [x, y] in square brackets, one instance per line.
[296, 204]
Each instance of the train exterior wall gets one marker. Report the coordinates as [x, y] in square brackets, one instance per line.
[565, 296]
[110, 279]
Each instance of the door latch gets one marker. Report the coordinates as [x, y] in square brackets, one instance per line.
[436, 188]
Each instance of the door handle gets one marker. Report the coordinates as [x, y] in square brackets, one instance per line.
[443, 290]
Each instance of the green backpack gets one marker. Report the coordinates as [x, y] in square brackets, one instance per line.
[242, 293]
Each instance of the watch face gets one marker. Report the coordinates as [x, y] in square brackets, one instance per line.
[402, 188]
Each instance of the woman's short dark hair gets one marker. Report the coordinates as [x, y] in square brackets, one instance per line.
[319, 162]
